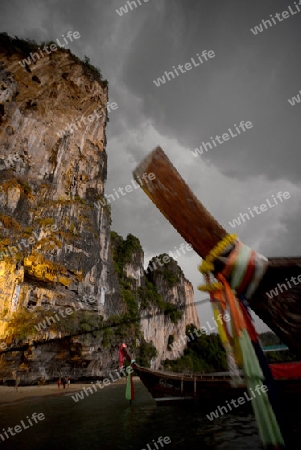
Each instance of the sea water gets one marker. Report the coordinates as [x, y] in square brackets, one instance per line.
[106, 420]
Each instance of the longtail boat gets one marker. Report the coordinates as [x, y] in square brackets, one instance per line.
[213, 389]
[209, 390]
[238, 279]
[173, 197]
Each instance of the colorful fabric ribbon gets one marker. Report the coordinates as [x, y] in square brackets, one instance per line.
[129, 391]
[244, 269]
[121, 355]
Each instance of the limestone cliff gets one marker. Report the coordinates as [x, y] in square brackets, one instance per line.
[68, 296]
[166, 325]
[160, 295]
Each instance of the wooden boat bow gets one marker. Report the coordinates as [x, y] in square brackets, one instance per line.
[173, 197]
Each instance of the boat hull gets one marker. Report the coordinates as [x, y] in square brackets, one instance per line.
[207, 390]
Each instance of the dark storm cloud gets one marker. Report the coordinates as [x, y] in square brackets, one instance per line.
[289, 244]
[251, 78]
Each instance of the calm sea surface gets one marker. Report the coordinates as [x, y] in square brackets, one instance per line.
[105, 420]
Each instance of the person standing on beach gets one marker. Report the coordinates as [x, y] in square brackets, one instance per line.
[68, 382]
[59, 383]
[64, 382]
[17, 382]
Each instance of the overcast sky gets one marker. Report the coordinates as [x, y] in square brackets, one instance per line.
[250, 78]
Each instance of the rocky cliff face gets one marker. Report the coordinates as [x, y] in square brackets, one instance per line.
[163, 296]
[60, 288]
[166, 326]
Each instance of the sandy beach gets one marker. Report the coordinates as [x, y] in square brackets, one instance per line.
[9, 395]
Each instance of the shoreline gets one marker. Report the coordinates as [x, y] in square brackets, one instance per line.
[9, 396]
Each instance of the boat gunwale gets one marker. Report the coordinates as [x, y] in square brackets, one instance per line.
[198, 377]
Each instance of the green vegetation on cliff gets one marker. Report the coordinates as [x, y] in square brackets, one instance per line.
[123, 252]
[147, 351]
[24, 47]
[203, 354]
[169, 270]
[148, 295]
[27, 323]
